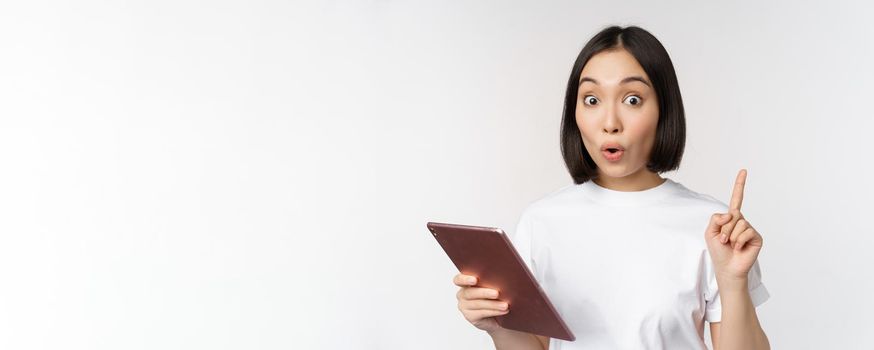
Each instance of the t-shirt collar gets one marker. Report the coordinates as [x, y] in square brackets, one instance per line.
[603, 195]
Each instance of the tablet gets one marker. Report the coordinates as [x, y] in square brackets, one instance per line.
[488, 254]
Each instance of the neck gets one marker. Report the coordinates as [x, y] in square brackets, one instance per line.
[639, 181]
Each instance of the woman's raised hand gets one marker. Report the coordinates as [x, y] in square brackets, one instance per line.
[733, 243]
[479, 305]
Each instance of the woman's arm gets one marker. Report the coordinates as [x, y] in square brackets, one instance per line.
[734, 246]
[742, 329]
[543, 341]
[508, 339]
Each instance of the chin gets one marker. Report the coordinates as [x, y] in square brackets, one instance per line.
[616, 170]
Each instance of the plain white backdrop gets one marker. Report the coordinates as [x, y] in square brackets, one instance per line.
[258, 175]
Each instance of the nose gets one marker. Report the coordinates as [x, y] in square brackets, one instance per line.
[612, 124]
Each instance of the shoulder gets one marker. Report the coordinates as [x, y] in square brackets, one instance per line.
[690, 198]
[561, 198]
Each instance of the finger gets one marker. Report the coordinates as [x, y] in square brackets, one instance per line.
[476, 315]
[745, 237]
[716, 222]
[484, 304]
[463, 280]
[479, 293]
[741, 226]
[737, 194]
[725, 230]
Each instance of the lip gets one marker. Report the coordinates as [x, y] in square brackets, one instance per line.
[613, 157]
[607, 145]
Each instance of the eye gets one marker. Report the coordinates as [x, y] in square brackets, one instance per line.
[633, 100]
[590, 100]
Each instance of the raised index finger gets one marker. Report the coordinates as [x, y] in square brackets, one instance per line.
[737, 194]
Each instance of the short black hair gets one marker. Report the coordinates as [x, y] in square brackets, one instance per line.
[667, 152]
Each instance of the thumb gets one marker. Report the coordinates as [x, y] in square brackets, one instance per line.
[715, 225]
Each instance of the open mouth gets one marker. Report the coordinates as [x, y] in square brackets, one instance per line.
[613, 154]
[612, 151]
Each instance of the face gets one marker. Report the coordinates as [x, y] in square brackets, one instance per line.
[617, 108]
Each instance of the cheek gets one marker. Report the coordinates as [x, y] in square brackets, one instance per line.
[652, 120]
[644, 128]
[584, 124]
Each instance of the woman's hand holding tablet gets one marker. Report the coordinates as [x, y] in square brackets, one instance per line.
[479, 305]
[487, 255]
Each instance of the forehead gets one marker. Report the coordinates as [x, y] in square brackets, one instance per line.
[611, 66]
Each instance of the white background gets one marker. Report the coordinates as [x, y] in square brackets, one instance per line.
[258, 175]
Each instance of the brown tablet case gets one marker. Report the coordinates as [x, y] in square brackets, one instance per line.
[488, 254]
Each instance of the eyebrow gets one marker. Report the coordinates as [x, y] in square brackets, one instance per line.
[626, 80]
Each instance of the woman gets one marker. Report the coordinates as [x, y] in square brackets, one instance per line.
[620, 252]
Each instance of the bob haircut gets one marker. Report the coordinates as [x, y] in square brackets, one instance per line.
[670, 137]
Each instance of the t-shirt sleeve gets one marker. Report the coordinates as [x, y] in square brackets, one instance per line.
[713, 308]
[522, 239]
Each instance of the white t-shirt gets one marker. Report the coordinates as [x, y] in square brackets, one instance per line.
[627, 270]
